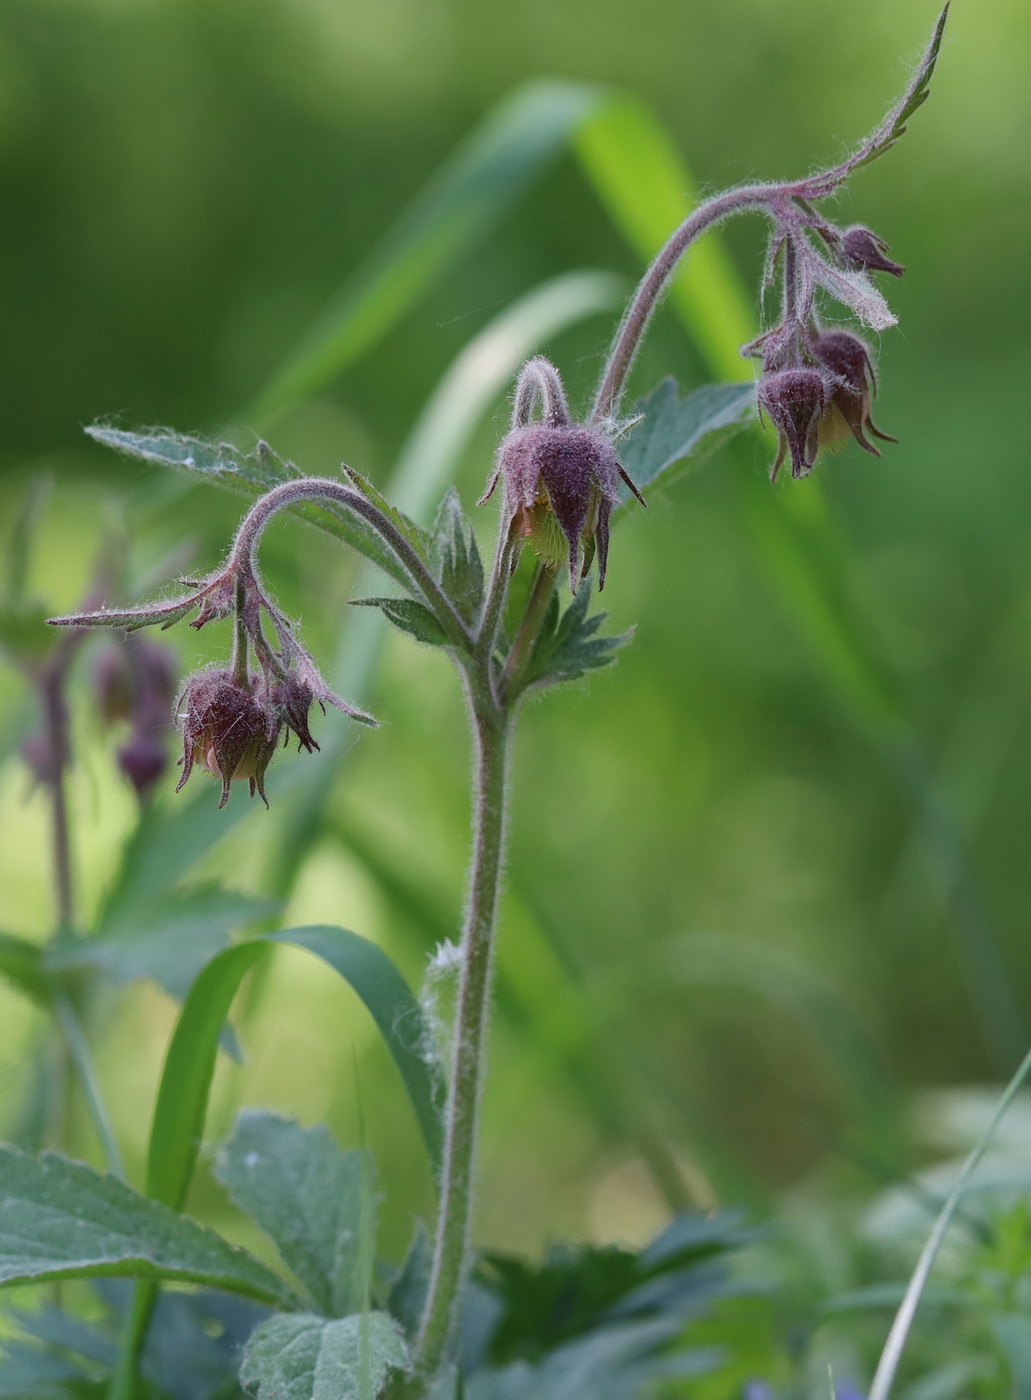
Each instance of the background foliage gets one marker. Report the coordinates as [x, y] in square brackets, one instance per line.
[729, 966]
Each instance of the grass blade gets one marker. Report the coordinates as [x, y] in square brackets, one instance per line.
[186, 1079]
[893, 1347]
[469, 194]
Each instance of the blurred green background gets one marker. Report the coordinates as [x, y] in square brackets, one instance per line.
[729, 957]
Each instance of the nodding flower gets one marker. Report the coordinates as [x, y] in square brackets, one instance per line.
[847, 358]
[795, 401]
[561, 479]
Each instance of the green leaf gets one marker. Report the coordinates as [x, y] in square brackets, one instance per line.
[413, 533]
[614, 1363]
[568, 647]
[253, 473]
[674, 428]
[1013, 1332]
[25, 1371]
[307, 1196]
[463, 200]
[61, 1219]
[189, 1065]
[408, 616]
[891, 128]
[168, 940]
[21, 962]
[457, 557]
[307, 1358]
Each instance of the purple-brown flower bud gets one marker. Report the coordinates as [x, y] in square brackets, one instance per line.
[228, 730]
[561, 483]
[143, 760]
[795, 401]
[293, 698]
[847, 359]
[862, 250]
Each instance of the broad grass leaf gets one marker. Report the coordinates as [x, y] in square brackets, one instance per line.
[307, 1196]
[189, 1065]
[21, 963]
[61, 1219]
[516, 141]
[309, 1358]
[675, 430]
[642, 180]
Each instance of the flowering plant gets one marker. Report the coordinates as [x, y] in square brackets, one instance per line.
[562, 482]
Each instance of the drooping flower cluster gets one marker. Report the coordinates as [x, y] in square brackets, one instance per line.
[231, 717]
[560, 479]
[817, 383]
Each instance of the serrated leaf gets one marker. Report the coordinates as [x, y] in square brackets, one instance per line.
[614, 1363]
[673, 429]
[570, 649]
[891, 128]
[408, 616]
[307, 1196]
[21, 962]
[307, 1358]
[457, 556]
[250, 472]
[413, 533]
[61, 1219]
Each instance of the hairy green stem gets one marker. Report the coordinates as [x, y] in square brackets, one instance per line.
[522, 647]
[492, 729]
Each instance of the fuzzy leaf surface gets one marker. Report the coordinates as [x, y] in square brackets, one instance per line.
[253, 473]
[568, 646]
[410, 617]
[457, 556]
[674, 429]
[61, 1219]
[891, 128]
[302, 1357]
[307, 1196]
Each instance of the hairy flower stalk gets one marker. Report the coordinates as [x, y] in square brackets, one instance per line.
[561, 481]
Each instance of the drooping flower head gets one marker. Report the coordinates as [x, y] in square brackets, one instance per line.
[228, 729]
[560, 479]
[847, 359]
[795, 401]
